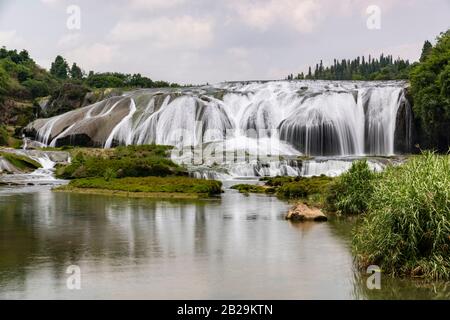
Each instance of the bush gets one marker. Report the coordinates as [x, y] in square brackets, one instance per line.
[407, 229]
[351, 192]
[249, 188]
[132, 161]
[301, 187]
[36, 88]
[4, 136]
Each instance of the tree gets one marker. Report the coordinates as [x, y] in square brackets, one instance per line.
[427, 46]
[4, 82]
[37, 88]
[60, 68]
[309, 73]
[430, 88]
[75, 72]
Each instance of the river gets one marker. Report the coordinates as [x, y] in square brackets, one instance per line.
[232, 247]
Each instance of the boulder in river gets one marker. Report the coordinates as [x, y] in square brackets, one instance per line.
[302, 212]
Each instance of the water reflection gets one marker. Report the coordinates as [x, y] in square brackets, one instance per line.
[233, 247]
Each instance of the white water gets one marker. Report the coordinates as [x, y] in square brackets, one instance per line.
[317, 118]
[43, 175]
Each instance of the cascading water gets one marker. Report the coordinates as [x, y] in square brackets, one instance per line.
[259, 121]
[41, 176]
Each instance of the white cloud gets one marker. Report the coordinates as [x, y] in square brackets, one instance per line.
[70, 40]
[303, 15]
[154, 4]
[10, 39]
[51, 2]
[94, 56]
[184, 32]
[238, 52]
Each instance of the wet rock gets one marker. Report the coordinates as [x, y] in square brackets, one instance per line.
[302, 212]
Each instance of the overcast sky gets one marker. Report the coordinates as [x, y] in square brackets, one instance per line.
[199, 41]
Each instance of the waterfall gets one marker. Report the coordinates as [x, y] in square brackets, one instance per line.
[381, 106]
[254, 119]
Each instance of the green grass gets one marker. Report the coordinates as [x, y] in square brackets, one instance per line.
[351, 192]
[251, 188]
[406, 230]
[150, 185]
[311, 189]
[302, 187]
[20, 162]
[131, 161]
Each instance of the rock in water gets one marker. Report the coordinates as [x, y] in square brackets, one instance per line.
[301, 212]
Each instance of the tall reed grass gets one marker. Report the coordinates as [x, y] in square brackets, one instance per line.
[407, 227]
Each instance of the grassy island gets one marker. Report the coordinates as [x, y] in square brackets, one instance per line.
[133, 171]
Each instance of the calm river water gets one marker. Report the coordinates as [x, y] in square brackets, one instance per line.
[233, 247]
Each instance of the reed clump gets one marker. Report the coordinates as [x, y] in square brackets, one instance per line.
[406, 230]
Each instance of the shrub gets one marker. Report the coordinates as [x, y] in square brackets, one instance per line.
[249, 188]
[4, 136]
[407, 229]
[351, 192]
[36, 88]
[301, 187]
[132, 161]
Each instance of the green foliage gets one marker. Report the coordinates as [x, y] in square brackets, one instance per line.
[132, 161]
[37, 88]
[152, 185]
[249, 188]
[278, 181]
[302, 187]
[75, 72]
[4, 136]
[407, 229]
[60, 68]
[384, 68]
[426, 49]
[67, 97]
[351, 192]
[120, 80]
[430, 88]
[20, 162]
[4, 82]
[21, 78]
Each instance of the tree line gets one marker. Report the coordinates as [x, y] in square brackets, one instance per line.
[360, 68]
[61, 70]
[21, 78]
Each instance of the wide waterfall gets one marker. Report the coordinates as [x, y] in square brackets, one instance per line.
[265, 125]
